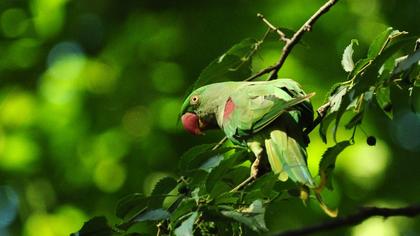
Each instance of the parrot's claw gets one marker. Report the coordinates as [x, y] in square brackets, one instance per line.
[253, 176]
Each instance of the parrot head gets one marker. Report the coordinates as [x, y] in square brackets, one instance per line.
[198, 112]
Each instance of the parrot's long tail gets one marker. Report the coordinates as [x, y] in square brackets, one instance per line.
[325, 208]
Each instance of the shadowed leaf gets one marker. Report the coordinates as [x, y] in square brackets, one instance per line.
[327, 164]
[95, 226]
[235, 64]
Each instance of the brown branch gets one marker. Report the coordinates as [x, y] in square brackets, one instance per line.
[354, 219]
[293, 41]
[273, 28]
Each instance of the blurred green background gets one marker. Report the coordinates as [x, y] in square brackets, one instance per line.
[90, 93]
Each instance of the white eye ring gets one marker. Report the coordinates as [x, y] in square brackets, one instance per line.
[194, 100]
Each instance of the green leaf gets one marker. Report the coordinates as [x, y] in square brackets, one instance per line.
[335, 100]
[327, 164]
[360, 66]
[131, 204]
[235, 64]
[383, 97]
[347, 59]
[369, 77]
[225, 165]
[186, 228]
[150, 215]
[355, 120]
[325, 123]
[405, 63]
[198, 155]
[163, 187]
[228, 198]
[186, 206]
[379, 43]
[382, 41]
[211, 163]
[153, 215]
[95, 226]
[252, 216]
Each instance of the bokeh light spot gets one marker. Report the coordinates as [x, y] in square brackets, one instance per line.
[137, 122]
[66, 220]
[40, 194]
[363, 164]
[167, 110]
[61, 84]
[63, 50]
[375, 226]
[23, 53]
[112, 145]
[109, 175]
[99, 77]
[14, 22]
[9, 203]
[405, 130]
[167, 77]
[18, 109]
[48, 16]
[19, 152]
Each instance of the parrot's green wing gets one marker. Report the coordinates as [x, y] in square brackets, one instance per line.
[286, 152]
[256, 105]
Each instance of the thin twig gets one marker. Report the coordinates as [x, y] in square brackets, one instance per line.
[293, 41]
[322, 112]
[298, 35]
[354, 219]
[220, 143]
[273, 28]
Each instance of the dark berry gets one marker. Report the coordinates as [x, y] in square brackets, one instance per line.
[371, 141]
[183, 189]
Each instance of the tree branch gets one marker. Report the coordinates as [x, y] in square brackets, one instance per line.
[290, 43]
[354, 219]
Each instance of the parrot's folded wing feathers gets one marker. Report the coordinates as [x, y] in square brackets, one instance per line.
[291, 155]
[278, 108]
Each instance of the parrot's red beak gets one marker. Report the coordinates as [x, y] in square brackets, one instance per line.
[191, 123]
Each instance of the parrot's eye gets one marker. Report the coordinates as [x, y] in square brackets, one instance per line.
[194, 100]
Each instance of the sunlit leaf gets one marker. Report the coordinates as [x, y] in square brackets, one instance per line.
[379, 43]
[347, 59]
[252, 216]
[186, 228]
[327, 164]
[335, 99]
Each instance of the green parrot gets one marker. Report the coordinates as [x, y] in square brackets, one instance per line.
[267, 117]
